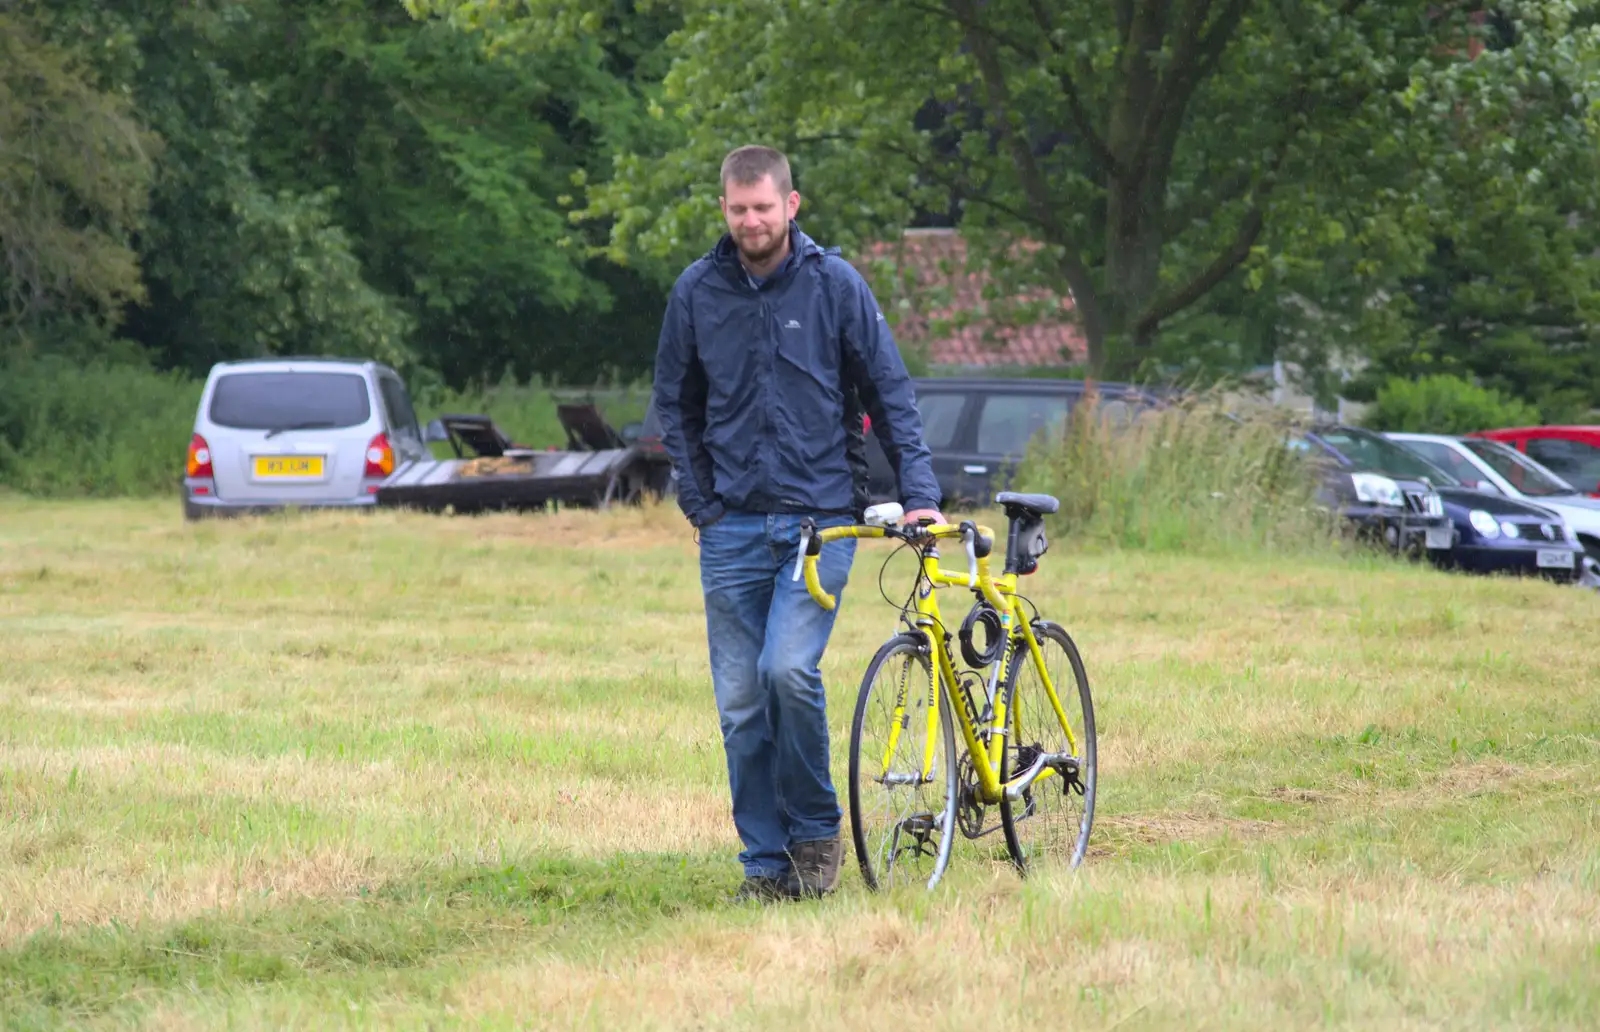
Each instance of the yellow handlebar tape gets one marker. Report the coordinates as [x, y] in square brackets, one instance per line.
[814, 585]
[827, 601]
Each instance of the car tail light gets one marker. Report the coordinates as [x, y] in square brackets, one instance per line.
[380, 457]
[199, 464]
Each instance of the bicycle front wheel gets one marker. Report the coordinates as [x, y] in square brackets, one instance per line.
[1050, 820]
[902, 769]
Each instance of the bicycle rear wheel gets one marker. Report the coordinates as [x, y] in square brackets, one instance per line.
[1051, 819]
[902, 823]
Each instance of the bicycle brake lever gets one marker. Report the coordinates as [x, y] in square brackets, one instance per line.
[970, 536]
[800, 553]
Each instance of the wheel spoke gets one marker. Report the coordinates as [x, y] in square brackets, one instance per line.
[1050, 820]
[902, 823]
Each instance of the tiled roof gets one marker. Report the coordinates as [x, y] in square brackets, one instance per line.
[921, 280]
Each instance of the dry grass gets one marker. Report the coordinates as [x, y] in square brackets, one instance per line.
[278, 772]
[1212, 953]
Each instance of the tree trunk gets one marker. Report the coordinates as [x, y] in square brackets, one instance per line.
[1089, 306]
[1133, 271]
[1135, 187]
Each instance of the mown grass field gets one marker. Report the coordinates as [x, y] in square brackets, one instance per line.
[419, 772]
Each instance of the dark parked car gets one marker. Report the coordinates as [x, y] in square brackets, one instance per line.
[1384, 490]
[1477, 532]
[978, 428]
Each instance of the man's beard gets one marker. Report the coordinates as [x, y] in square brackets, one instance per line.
[764, 254]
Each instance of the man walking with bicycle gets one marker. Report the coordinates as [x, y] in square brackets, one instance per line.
[771, 351]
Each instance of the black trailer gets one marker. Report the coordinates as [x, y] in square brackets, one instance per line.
[599, 467]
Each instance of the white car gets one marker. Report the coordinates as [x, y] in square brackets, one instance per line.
[1497, 468]
[304, 432]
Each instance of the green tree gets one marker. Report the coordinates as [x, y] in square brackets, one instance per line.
[1493, 277]
[1154, 147]
[230, 266]
[75, 173]
[453, 170]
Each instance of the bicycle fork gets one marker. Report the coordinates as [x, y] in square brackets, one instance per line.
[901, 720]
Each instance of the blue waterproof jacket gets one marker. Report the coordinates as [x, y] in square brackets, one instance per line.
[760, 389]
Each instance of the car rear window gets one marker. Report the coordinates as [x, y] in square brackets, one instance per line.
[280, 401]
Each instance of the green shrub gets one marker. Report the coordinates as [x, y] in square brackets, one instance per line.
[1445, 404]
[1187, 477]
[95, 428]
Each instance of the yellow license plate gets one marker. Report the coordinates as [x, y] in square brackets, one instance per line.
[288, 465]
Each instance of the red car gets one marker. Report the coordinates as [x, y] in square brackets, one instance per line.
[1571, 452]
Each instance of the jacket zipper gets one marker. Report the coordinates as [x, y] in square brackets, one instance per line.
[769, 362]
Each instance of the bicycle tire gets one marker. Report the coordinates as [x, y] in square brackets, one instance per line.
[1015, 812]
[877, 873]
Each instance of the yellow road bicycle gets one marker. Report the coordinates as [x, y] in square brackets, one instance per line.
[1020, 697]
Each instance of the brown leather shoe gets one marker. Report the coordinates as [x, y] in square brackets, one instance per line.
[816, 866]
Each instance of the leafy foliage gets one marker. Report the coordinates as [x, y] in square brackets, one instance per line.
[451, 166]
[97, 427]
[75, 169]
[1483, 265]
[344, 178]
[233, 267]
[1156, 150]
[1445, 404]
[482, 191]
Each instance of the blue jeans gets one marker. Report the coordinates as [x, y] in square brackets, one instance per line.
[766, 638]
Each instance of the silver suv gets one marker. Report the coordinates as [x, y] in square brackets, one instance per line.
[309, 432]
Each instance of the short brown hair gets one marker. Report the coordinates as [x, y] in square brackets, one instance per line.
[748, 164]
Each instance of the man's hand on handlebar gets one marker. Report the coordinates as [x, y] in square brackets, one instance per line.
[916, 516]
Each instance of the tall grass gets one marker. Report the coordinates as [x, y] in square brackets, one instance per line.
[96, 429]
[1191, 476]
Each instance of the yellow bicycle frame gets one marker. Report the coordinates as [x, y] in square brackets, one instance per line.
[985, 744]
